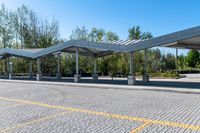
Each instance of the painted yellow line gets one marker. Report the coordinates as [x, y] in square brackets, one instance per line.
[139, 127]
[110, 115]
[31, 122]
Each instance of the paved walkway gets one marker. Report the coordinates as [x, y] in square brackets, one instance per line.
[189, 84]
[35, 107]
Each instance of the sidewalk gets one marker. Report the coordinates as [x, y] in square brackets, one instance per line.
[110, 86]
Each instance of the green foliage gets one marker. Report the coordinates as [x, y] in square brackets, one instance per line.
[31, 31]
[134, 33]
[168, 62]
[146, 35]
[182, 62]
[79, 34]
[96, 34]
[6, 27]
[111, 36]
[164, 74]
[23, 28]
[193, 58]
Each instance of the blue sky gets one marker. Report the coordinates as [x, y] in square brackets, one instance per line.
[156, 16]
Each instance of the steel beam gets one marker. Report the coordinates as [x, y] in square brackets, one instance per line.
[176, 61]
[145, 74]
[58, 66]
[39, 75]
[77, 76]
[30, 69]
[131, 77]
[95, 74]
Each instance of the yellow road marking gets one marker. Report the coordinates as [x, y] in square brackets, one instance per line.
[32, 122]
[139, 127]
[110, 115]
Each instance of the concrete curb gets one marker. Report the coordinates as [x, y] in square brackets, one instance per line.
[108, 86]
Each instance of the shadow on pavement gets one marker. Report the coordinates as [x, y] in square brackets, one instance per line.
[173, 84]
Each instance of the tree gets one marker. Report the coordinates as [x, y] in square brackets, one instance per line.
[6, 28]
[193, 58]
[146, 35]
[154, 59]
[32, 31]
[6, 31]
[114, 58]
[85, 62]
[134, 33]
[79, 34]
[111, 36]
[181, 61]
[168, 62]
[23, 28]
[96, 34]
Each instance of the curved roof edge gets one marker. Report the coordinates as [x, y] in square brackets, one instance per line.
[189, 38]
[165, 40]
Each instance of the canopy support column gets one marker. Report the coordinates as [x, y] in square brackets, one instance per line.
[30, 69]
[176, 62]
[145, 75]
[10, 76]
[95, 74]
[6, 67]
[58, 75]
[77, 76]
[131, 77]
[39, 75]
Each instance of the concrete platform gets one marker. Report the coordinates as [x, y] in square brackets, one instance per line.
[189, 84]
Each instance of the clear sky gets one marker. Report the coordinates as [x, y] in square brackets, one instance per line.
[156, 16]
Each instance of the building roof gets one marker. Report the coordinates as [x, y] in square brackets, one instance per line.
[189, 39]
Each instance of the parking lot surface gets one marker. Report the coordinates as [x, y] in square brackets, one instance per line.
[43, 108]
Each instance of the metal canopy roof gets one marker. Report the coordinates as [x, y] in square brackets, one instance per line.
[189, 38]
[24, 53]
[85, 48]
